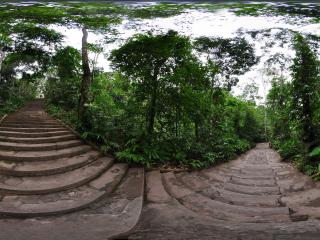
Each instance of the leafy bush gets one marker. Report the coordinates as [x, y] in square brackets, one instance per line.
[294, 110]
[176, 118]
[315, 152]
[16, 99]
[289, 148]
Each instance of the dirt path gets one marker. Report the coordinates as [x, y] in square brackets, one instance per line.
[254, 197]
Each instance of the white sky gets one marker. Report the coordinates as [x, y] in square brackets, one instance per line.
[200, 23]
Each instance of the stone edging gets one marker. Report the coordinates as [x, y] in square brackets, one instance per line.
[164, 170]
[126, 234]
[3, 118]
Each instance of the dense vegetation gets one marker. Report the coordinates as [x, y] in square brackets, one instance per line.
[167, 100]
[163, 105]
[295, 110]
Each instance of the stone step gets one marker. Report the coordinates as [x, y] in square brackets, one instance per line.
[32, 130]
[216, 191]
[54, 183]
[302, 213]
[34, 135]
[123, 206]
[254, 176]
[39, 139]
[224, 175]
[33, 125]
[253, 190]
[215, 175]
[10, 146]
[22, 156]
[219, 210]
[228, 168]
[119, 214]
[241, 199]
[296, 183]
[253, 182]
[28, 122]
[303, 197]
[255, 171]
[154, 188]
[66, 201]
[29, 115]
[227, 212]
[44, 168]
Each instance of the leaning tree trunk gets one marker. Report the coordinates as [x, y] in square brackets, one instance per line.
[86, 77]
[2, 56]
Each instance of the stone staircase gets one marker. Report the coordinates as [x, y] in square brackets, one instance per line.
[254, 197]
[54, 186]
[45, 169]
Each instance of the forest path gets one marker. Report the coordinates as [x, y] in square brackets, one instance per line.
[253, 197]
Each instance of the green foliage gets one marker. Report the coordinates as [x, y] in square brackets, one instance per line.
[92, 8]
[194, 126]
[134, 154]
[25, 53]
[69, 117]
[32, 32]
[254, 9]
[311, 12]
[315, 152]
[290, 147]
[231, 57]
[293, 109]
[63, 89]
[36, 13]
[159, 10]
[161, 106]
[305, 88]
[101, 23]
[157, 67]
[14, 97]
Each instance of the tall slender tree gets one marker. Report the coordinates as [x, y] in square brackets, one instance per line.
[157, 66]
[305, 87]
[86, 77]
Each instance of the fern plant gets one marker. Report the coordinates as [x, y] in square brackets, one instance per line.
[315, 152]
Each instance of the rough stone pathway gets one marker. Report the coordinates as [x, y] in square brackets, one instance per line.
[53, 186]
[254, 197]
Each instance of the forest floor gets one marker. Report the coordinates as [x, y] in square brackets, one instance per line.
[55, 186]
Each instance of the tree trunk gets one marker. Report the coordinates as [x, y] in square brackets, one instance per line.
[307, 123]
[86, 77]
[93, 66]
[2, 57]
[196, 130]
[152, 109]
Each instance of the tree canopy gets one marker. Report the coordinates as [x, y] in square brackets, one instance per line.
[163, 103]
